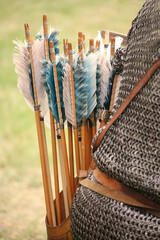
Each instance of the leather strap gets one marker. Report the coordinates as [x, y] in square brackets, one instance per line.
[127, 194]
[141, 83]
[119, 192]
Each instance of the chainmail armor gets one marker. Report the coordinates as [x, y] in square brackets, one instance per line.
[130, 150]
[119, 60]
[94, 216]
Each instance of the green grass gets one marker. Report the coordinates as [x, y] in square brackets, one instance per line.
[21, 194]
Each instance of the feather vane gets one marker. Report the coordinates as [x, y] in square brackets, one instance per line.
[98, 88]
[90, 64]
[105, 69]
[80, 92]
[80, 88]
[49, 84]
[53, 38]
[23, 69]
[67, 97]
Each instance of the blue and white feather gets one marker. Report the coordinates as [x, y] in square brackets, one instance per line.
[98, 89]
[49, 85]
[105, 70]
[80, 89]
[90, 66]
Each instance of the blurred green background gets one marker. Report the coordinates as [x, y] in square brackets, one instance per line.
[22, 209]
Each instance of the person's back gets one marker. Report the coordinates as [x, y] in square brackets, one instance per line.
[130, 150]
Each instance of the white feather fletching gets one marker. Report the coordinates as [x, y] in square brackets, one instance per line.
[105, 68]
[20, 59]
[99, 38]
[38, 56]
[21, 62]
[90, 64]
[67, 98]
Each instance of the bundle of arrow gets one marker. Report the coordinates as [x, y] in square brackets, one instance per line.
[71, 88]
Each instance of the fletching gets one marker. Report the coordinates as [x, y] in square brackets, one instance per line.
[108, 99]
[77, 58]
[99, 37]
[105, 70]
[21, 60]
[60, 75]
[98, 88]
[53, 38]
[80, 88]
[39, 36]
[67, 97]
[63, 59]
[90, 65]
[49, 85]
[38, 55]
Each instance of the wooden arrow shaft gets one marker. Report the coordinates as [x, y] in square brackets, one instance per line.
[63, 176]
[75, 124]
[71, 159]
[70, 140]
[45, 174]
[55, 168]
[42, 147]
[77, 153]
[53, 134]
[64, 148]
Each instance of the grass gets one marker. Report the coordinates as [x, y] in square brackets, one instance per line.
[22, 208]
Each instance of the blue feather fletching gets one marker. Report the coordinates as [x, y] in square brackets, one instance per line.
[60, 75]
[87, 53]
[98, 85]
[53, 38]
[80, 88]
[49, 84]
[39, 36]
